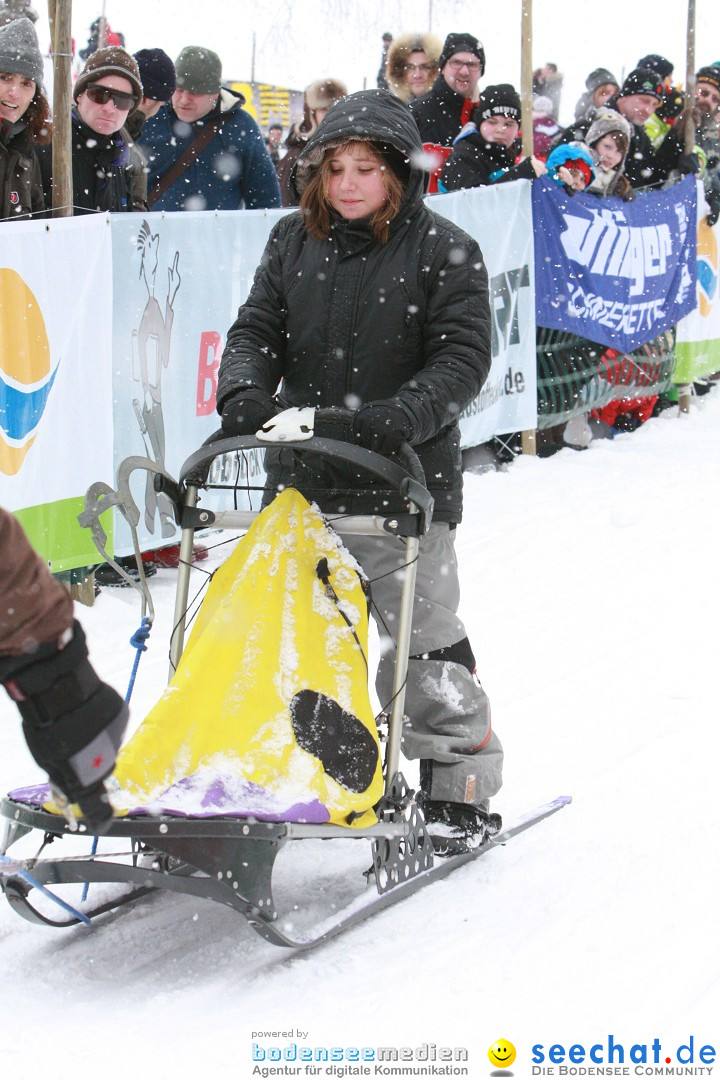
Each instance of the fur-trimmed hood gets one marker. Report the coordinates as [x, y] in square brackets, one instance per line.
[398, 54]
[606, 120]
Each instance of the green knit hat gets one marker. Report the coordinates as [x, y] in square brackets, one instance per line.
[198, 70]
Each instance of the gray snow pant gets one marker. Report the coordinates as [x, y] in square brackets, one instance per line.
[448, 725]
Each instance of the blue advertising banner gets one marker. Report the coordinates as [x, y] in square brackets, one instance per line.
[614, 272]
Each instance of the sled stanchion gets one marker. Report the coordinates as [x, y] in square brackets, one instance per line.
[412, 547]
[183, 584]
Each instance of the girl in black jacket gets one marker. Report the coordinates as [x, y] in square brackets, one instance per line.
[367, 300]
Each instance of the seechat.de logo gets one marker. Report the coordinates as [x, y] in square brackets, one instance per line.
[707, 268]
[25, 376]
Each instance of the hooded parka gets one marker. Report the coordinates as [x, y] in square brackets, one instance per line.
[349, 321]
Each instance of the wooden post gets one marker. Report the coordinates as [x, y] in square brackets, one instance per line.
[529, 442]
[102, 29]
[684, 390]
[60, 12]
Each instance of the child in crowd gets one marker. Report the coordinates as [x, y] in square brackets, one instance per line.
[608, 140]
[486, 150]
[571, 166]
[545, 127]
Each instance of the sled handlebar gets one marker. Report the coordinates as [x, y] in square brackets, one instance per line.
[406, 477]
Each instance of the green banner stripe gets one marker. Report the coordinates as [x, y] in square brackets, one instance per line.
[57, 537]
[695, 359]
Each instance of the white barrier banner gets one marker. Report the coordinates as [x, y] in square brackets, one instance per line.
[55, 377]
[135, 309]
[183, 278]
[500, 219]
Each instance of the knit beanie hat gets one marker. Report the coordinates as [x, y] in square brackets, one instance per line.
[157, 74]
[323, 93]
[643, 81]
[710, 74]
[572, 156]
[20, 52]
[500, 100]
[110, 61]
[658, 64]
[198, 70]
[600, 77]
[455, 43]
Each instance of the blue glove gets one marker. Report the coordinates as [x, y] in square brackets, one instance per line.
[245, 412]
[382, 427]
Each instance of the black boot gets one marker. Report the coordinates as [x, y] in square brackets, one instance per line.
[455, 828]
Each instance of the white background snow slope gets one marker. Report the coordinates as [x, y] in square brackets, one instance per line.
[591, 584]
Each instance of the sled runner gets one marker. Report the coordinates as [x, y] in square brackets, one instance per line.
[266, 733]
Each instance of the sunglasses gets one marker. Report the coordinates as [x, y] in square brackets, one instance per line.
[102, 94]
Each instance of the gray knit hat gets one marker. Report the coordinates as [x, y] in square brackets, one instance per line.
[20, 51]
[198, 70]
[110, 61]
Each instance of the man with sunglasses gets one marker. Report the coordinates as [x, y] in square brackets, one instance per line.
[107, 170]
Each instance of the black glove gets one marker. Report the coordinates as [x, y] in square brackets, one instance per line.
[246, 412]
[712, 217]
[73, 722]
[382, 427]
[688, 164]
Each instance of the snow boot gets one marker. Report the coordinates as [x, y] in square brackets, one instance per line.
[107, 576]
[456, 828]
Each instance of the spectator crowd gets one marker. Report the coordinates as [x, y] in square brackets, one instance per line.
[150, 133]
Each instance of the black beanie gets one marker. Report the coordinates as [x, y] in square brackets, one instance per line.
[643, 81]
[157, 73]
[709, 74]
[455, 43]
[658, 64]
[500, 100]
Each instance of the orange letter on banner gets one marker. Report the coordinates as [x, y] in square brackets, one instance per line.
[208, 364]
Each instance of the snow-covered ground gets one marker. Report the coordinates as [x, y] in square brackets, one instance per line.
[591, 593]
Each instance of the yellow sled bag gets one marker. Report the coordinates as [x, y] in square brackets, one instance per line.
[268, 714]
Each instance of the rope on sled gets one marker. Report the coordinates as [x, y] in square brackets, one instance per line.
[138, 643]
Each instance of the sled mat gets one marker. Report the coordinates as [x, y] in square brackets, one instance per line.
[268, 714]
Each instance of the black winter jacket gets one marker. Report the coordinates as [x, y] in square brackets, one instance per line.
[348, 320]
[21, 193]
[107, 174]
[476, 163]
[441, 113]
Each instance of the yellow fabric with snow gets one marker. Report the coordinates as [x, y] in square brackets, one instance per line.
[268, 713]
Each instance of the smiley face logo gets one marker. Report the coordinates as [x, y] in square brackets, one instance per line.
[502, 1054]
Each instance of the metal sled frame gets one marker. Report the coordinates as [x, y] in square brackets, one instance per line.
[229, 859]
